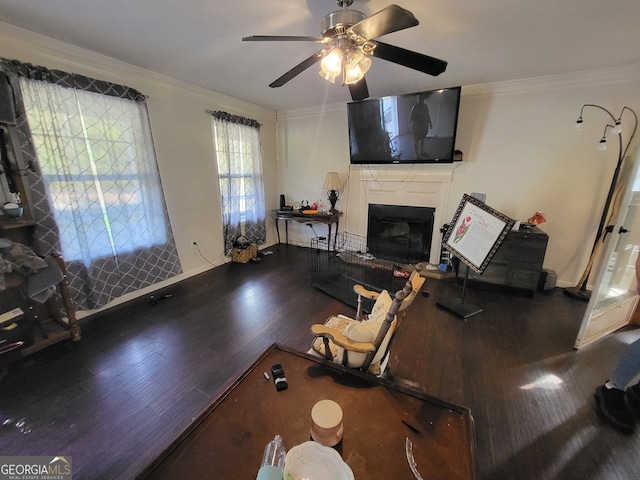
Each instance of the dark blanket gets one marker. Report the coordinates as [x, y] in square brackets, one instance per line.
[42, 276]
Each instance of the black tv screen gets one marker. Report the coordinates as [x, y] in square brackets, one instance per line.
[414, 128]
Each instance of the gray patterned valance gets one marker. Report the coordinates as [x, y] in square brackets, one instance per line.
[228, 117]
[70, 80]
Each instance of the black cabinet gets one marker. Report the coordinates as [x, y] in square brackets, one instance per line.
[516, 265]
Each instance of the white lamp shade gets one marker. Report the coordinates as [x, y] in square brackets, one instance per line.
[356, 66]
[331, 64]
[332, 182]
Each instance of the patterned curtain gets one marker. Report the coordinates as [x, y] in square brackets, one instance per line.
[240, 175]
[93, 181]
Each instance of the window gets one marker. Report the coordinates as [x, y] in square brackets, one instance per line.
[98, 166]
[237, 176]
[239, 158]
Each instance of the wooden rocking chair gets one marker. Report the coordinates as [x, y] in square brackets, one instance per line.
[363, 343]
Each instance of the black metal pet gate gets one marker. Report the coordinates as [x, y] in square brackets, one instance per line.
[335, 271]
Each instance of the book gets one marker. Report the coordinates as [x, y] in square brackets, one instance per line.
[11, 315]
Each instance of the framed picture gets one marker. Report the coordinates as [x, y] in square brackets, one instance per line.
[476, 232]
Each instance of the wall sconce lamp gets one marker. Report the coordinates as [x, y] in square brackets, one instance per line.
[332, 183]
[580, 290]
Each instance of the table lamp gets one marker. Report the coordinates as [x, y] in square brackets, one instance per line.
[332, 183]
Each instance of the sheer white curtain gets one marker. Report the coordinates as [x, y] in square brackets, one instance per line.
[239, 156]
[96, 162]
[98, 166]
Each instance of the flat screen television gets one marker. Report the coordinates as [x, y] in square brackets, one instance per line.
[414, 128]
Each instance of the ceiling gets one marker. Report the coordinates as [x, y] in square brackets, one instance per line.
[199, 41]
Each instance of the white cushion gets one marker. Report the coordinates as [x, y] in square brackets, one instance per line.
[339, 323]
[367, 331]
[380, 308]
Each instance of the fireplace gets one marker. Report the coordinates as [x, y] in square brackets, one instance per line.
[400, 233]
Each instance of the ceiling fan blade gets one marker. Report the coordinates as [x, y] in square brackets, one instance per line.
[359, 90]
[285, 38]
[416, 61]
[387, 20]
[298, 69]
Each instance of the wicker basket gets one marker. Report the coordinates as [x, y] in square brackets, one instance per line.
[243, 255]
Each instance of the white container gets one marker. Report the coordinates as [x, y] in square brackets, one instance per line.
[326, 423]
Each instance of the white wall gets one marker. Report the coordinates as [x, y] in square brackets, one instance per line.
[520, 148]
[518, 139]
[183, 137]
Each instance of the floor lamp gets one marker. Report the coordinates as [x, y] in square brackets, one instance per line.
[580, 290]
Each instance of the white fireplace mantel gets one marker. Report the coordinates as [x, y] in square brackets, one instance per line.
[426, 186]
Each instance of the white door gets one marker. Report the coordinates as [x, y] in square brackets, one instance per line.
[613, 300]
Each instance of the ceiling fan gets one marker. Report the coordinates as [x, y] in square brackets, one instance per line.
[348, 39]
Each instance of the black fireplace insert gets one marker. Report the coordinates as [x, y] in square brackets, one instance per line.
[400, 233]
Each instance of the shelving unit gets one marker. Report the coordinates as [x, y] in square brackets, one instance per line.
[48, 326]
[41, 324]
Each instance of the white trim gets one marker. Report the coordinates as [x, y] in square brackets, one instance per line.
[608, 76]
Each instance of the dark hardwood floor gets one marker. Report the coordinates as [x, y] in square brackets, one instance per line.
[142, 372]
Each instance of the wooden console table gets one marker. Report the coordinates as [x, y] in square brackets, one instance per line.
[327, 218]
[228, 439]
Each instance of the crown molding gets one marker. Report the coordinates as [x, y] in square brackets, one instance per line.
[30, 47]
[604, 77]
[313, 111]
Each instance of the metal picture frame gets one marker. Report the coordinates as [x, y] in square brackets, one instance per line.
[475, 233]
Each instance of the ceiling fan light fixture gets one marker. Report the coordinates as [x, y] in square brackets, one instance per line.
[331, 65]
[327, 77]
[345, 32]
[356, 66]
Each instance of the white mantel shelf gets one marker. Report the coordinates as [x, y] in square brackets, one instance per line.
[408, 173]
